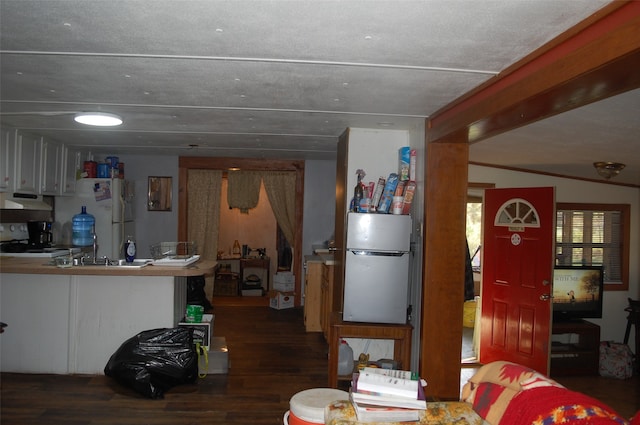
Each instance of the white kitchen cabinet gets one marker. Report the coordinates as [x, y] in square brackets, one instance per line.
[71, 164]
[69, 324]
[50, 167]
[27, 170]
[36, 310]
[7, 159]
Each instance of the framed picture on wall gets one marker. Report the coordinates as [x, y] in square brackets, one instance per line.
[159, 194]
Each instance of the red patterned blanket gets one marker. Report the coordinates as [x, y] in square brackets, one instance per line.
[553, 405]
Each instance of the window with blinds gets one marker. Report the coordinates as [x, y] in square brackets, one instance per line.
[594, 235]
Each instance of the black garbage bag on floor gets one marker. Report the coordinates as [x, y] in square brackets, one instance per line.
[155, 360]
[196, 294]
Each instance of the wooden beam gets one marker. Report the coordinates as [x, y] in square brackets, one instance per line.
[596, 59]
[585, 65]
[443, 267]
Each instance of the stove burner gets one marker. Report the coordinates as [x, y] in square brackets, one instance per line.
[18, 246]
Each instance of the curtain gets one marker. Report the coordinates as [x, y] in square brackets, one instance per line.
[243, 190]
[281, 190]
[203, 212]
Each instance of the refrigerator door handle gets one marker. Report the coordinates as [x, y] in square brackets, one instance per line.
[378, 253]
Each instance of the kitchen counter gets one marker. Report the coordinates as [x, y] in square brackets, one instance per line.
[42, 266]
[312, 259]
[71, 320]
[321, 257]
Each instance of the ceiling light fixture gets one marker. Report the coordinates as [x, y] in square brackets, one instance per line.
[608, 169]
[101, 119]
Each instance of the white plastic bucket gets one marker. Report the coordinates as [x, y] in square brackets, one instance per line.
[307, 407]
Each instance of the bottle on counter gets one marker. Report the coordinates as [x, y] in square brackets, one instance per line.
[130, 249]
[82, 228]
[236, 248]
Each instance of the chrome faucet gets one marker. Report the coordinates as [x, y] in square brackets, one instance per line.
[95, 243]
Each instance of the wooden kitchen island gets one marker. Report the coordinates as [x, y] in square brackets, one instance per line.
[71, 320]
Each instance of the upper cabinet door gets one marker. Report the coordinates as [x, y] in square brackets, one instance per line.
[7, 159]
[50, 167]
[27, 163]
[70, 168]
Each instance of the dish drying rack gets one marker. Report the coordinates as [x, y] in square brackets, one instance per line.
[173, 250]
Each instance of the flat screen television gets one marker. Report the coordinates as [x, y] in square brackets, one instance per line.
[577, 292]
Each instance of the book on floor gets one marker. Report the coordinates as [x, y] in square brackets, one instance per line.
[374, 413]
[386, 400]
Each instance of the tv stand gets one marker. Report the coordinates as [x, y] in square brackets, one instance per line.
[576, 357]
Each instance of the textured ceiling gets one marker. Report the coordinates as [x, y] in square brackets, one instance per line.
[283, 79]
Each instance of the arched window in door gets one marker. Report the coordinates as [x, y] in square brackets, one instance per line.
[517, 212]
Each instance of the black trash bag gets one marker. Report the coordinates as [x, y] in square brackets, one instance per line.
[196, 294]
[155, 360]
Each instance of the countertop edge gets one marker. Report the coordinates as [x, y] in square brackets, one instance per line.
[40, 266]
[321, 257]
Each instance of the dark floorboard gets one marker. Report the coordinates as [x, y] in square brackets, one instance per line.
[271, 358]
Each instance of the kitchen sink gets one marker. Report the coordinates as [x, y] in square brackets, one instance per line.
[135, 263]
[103, 262]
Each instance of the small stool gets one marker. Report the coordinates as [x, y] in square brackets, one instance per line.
[633, 318]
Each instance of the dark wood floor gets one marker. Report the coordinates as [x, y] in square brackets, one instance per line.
[271, 359]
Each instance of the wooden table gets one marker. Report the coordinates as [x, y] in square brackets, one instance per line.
[400, 334]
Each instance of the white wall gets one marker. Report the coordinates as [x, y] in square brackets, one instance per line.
[613, 322]
[376, 152]
[152, 226]
[318, 221]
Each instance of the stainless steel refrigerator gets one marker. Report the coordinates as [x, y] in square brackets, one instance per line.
[110, 201]
[377, 268]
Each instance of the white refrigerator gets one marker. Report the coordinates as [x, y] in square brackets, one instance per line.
[376, 283]
[110, 201]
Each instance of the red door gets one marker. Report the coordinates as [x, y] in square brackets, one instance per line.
[517, 267]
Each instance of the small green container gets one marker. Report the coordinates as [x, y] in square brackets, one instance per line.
[194, 313]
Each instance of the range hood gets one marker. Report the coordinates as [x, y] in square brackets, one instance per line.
[20, 201]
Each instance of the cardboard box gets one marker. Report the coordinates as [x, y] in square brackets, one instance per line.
[284, 281]
[280, 300]
[217, 356]
[283, 287]
[202, 331]
[284, 277]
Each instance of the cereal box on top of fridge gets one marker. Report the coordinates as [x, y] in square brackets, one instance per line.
[387, 194]
[404, 155]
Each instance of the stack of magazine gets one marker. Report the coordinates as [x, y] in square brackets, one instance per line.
[384, 395]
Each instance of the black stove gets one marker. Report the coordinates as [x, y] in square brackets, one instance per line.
[19, 246]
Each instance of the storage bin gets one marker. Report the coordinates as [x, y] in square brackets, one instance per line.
[307, 407]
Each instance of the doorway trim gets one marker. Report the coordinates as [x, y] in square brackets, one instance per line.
[219, 163]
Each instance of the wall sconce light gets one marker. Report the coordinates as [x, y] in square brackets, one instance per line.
[101, 119]
[608, 169]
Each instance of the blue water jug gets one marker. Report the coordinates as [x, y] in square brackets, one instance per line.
[82, 225]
